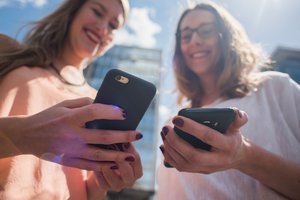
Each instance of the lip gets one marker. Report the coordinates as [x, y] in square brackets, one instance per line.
[95, 38]
[199, 54]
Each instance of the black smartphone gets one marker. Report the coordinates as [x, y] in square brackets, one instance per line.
[215, 118]
[128, 92]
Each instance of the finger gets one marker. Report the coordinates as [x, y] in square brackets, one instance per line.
[96, 136]
[241, 118]
[126, 172]
[98, 154]
[176, 148]
[114, 181]
[200, 131]
[171, 140]
[81, 163]
[76, 103]
[101, 180]
[168, 161]
[137, 164]
[99, 111]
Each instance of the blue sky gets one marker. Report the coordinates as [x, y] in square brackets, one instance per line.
[152, 22]
[271, 23]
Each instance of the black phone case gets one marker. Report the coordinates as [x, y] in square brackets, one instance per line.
[215, 118]
[134, 97]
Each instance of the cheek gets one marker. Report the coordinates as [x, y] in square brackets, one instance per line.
[215, 47]
[185, 52]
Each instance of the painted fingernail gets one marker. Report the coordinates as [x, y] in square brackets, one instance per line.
[130, 159]
[162, 149]
[126, 145]
[114, 167]
[167, 165]
[162, 135]
[178, 122]
[165, 130]
[138, 136]
[124, 114]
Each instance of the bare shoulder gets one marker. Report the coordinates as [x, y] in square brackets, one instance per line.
[20, 76]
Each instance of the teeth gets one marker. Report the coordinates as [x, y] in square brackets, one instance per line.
[198, 55]
[94, 38]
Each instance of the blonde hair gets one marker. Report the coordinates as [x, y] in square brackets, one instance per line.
[45, 41]
[238, 60]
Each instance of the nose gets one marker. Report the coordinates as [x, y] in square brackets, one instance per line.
[196, 39]
[102, 28]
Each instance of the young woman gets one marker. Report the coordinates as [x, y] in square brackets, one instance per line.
[46, 69]
[214, 64]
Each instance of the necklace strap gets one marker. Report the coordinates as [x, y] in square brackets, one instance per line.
[63, 80]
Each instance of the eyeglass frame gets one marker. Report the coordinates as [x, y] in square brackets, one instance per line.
[201, 35]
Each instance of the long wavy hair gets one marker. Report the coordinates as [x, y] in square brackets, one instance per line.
[239, 58]
[45, 41]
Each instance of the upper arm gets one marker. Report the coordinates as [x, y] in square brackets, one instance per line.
[14, 90]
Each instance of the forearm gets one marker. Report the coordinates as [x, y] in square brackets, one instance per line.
[275, 172]
[8, 134]
[94, 189]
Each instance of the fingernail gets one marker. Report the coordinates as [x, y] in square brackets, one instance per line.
[162, 135]
[124, 114]
[114, 167]
[165, 130]
[178, 122]
[130, 159]
[167, 165]
[126, 145]
[138, 136]
[162, 149]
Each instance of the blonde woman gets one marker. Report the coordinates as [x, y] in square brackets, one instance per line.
[258, 157]
[45, 70]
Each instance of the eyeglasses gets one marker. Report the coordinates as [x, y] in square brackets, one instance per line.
[204, 31]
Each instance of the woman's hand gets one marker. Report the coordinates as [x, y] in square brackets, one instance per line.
[227, 149]
[58, 134]
[115, 178]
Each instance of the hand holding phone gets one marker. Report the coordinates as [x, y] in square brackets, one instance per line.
[128, 92]
[216, 118]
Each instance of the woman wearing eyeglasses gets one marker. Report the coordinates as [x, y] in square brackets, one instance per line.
[258, 156]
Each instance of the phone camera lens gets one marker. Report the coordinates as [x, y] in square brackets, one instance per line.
[118, 77]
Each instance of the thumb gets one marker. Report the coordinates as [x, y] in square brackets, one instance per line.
[76, 103]
[241, 118]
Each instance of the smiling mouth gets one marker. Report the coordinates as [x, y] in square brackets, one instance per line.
[199, 55]
[94, 38]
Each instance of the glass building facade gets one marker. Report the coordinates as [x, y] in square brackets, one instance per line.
[287, 61]
[143, 63]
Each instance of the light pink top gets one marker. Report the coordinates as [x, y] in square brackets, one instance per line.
[28, 91]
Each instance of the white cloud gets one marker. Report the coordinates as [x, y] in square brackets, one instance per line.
[36, 3]
[140, 29]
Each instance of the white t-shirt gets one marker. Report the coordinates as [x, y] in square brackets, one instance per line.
[274, 124]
